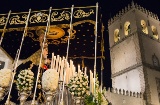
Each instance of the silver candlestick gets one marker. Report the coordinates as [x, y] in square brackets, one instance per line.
[23, 96]
[3, 92]
[49, 95]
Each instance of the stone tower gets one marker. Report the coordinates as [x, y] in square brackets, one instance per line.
[135, 52]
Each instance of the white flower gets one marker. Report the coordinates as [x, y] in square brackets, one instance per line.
[72, 93]
[77, 78]
[80, 85]
[25, 80]
[79, 93]
[77, 85]
[50, 80]
[78, 82]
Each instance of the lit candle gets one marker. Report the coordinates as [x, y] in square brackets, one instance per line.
[93, 84]
[59, 64]
[57, 61]
[62, 68]
[52, 61]
[78, 68]
[71, 69]
[90, 81]
[67, 71]
[74, 70]
[85, 71]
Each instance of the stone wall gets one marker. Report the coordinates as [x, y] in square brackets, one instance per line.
[125, 54]
[4, 58]
[153, 77]
[122, 97]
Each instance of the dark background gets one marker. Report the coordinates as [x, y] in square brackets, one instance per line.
[109, 8]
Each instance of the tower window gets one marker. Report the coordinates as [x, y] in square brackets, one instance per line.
[2, 64]
[154, 31]
[127, 28]
[144, 27]
[116, 35]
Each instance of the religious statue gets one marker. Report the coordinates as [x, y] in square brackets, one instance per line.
[32, 63]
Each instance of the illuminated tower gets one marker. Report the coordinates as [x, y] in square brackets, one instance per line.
[135, 52]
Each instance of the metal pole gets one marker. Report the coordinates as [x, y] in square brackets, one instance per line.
[17, 58]
[102, 50]
[5, 27]
[65, 63]
[39, 67]
[102, 74]
[95, 59]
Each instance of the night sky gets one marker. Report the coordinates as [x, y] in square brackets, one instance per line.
[109, 8]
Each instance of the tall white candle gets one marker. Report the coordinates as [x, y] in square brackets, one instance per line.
[71, 69]
[90, 81]
[52, 61]
[67, 71]
[59, 64]
[62, 68]
[85, 71]
[57, 61]
[78, 68]
[74, 70]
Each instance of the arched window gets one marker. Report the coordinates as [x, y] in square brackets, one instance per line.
[116, 35]
[154, 31]
[144, 27]
[127, 28]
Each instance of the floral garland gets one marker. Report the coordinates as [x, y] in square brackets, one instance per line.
[25, 80]
[50, 80]
[5, 77]
[78, 85]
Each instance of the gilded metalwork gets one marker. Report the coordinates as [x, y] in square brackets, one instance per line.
[30, 34]
[41, 17]
[56, 34]
[84, 21]
[16, 19]
[38, 18]
[2, 20]
[81, 13]
[64, 15]
[56, 42]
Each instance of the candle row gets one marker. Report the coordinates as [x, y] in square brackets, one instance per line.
[67, 69]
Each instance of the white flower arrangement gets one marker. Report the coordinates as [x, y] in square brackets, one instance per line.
[50, 80]
[78, 84]
[5, 77]
[25, 80]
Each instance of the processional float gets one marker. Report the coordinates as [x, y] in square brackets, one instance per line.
[62, 73]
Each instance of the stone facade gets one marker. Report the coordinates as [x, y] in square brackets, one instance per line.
[6, 59]
[134, 48]
[121, 97]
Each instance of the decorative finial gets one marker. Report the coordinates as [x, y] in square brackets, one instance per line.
[129, 7]
[132, 4]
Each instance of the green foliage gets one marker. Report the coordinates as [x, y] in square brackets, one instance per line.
[97, 98]
[89, 100]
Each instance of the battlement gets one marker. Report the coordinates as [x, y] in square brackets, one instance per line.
[122, 97]
[129, 7]
[125, 92]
